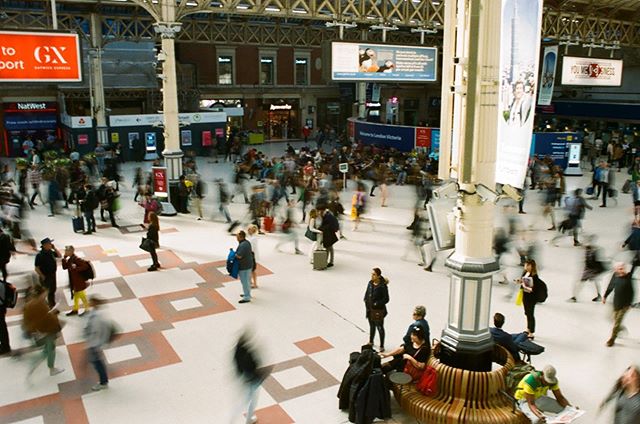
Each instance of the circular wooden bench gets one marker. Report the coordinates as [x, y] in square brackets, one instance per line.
[463, 396]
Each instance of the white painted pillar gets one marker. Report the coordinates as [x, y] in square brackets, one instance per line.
[99, 106]
[168, 29]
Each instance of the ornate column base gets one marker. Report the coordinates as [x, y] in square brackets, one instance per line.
[173, 162]
[467, 342]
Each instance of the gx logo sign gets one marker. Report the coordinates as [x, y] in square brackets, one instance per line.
[49, 55]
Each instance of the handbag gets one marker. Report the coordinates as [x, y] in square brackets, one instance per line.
[428, 382]
[147, 244]
[311, 235]
[376, 315]
[414, 372]
[519, 297]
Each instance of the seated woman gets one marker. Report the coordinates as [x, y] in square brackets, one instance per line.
[417, 352]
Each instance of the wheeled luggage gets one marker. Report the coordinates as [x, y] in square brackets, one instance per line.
[78, 224]
[268, 224]
[320, 259]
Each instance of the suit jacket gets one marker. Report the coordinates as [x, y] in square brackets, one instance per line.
[328, 228]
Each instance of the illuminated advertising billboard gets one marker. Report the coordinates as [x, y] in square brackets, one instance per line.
[39, 57]
[590, 71]
[380, 62]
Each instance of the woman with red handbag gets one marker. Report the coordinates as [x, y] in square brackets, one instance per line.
[411, 357]
[376, 298]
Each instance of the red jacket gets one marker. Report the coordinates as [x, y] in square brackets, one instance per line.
[76, 266]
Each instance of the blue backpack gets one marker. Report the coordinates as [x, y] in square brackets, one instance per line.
[233, 266]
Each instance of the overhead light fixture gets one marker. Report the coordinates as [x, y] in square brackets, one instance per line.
[242, 7]
[299, 11]
[271, 9]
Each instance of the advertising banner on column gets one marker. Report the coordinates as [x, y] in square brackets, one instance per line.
[39, 57]
[519, 53]
[160, 188]
[547, 77]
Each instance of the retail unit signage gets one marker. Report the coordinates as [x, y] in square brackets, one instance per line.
[521, 26]
[76, 121]
[280, 107]
[380, 62]
[590, 71]
[156, 119]
[39, 57]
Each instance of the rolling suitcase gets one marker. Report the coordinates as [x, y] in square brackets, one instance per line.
[320, 259]
[78, 224]
[268, 224]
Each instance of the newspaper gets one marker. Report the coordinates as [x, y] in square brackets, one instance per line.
[565, 416]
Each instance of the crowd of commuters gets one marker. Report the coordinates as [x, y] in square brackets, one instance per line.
[272, 187]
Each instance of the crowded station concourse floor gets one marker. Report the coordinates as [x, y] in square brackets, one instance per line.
[173, 362]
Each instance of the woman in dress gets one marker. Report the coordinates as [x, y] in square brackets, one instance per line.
[252, 237]
[314, 224]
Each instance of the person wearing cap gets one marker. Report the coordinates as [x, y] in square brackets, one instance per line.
[46, 266]
[419, 312]
[531, 393]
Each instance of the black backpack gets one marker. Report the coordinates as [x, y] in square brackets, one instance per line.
[9, 295]
[541, 291]
[89, 273]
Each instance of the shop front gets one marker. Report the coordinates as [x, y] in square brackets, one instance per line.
[29, 121]
[282, 119]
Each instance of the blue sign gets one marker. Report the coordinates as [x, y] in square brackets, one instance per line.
[435, 140]
[30, 121]
[393, 136]
[554, 145]
[379, 62]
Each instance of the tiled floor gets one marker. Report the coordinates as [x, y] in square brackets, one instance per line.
[173, 361]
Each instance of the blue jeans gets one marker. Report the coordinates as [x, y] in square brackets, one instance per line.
[96, 359]
[245, 279]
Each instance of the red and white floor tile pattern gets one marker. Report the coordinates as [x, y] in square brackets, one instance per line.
[151, 305]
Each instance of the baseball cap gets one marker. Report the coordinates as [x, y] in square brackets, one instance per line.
[550, 374]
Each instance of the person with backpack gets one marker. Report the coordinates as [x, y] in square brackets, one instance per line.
[535, 386]
[534, 291]
[7, 249]
[88, 205]
[98, 333]
[576, 206]
[78, 272]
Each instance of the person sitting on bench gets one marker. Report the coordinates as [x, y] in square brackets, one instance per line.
[504, 339]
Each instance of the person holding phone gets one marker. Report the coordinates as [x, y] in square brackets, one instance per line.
[528, 283]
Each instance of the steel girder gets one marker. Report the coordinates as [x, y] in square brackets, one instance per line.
[281, 23]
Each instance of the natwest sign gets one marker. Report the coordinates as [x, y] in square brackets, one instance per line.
[590, 71]
[39, 57]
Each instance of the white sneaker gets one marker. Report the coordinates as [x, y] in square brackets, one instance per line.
[253, 420]
[55, 371]
[98, 387]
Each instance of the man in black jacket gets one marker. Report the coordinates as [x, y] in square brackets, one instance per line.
[329, 227]
[622, 286]
[88, 205]
[247, 366]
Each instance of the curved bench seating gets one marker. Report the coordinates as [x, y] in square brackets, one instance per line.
[463, 396]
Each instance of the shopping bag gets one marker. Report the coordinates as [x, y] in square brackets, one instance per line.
[519, 297]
